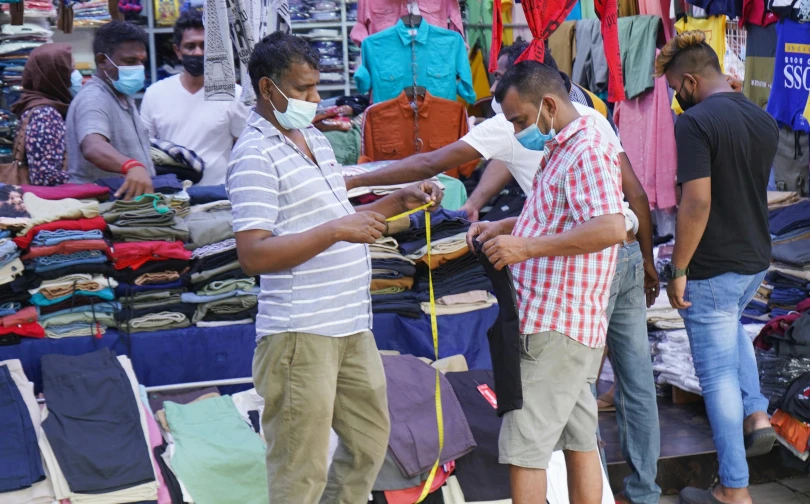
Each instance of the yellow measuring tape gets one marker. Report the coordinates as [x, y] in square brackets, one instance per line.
[435, 330]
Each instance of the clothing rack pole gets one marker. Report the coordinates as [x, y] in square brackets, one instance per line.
[485, 25]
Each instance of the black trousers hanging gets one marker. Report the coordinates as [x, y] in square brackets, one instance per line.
[504, 338]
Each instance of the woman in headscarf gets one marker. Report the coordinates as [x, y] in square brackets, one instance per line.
[49, 83]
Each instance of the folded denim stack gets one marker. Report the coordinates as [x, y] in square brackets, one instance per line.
[222, 293]
[787, 291]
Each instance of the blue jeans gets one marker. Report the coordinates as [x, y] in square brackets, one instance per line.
[635, 398]
[725, 364]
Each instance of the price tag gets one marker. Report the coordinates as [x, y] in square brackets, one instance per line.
[489, 395]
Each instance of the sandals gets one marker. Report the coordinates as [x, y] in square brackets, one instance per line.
[759, 442]
[691, 495]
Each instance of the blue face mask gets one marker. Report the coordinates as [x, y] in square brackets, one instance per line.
[130, 78]
[75, 82]
[532, 138]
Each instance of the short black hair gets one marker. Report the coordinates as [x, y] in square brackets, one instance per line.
[190, 20]
[115, 33]
[532, 80]
[276, 54]
[514, 51]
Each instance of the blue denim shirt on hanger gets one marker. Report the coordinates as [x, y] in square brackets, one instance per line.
[442, 65]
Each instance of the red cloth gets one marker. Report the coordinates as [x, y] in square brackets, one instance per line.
[803, 306]
[67, 247]
[69, 225]
[136, 254]
[411, 495]
[754, 12]
[545, 16]
[27, 315]
[32, 330]
[608, 13]
[778, 325]
[75, 191]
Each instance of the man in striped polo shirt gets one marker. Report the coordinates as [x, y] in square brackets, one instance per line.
[316, 363]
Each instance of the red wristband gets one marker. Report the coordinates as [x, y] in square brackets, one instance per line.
[132, 163]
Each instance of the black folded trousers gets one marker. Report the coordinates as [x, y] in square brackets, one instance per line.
[504, 338]
[94, 424]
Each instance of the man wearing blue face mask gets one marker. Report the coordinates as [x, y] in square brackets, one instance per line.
[561, 250]
[316, 363]
[105, 136]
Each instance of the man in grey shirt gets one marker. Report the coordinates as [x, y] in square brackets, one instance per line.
[105, 136]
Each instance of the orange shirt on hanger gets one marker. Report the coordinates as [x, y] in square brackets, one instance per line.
[388, 129]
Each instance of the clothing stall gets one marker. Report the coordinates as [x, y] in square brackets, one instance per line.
[149, 297]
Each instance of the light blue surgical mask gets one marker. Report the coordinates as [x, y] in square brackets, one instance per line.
[130, 78]
[532, 138]
[75, 82]
[299, 113]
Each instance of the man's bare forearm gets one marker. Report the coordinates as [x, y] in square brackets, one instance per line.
[410, 169]
[96, 149]
[693, 215]
[261, 253]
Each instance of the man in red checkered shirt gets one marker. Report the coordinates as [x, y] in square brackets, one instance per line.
[562, 253]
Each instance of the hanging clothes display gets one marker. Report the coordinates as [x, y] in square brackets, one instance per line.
[730, 8]
[374, 16]
[660, 8]
[480, 77]
[638, 36]
[646, 126]
[588, 9]
[561, 45]
[590, 66]
[220, 77]
[790, 9]
[789, 92]
[754, 12]
[436, 56]
[715, 30]
[628, 8]
[760, 58]
[480, 12]
[390, 132]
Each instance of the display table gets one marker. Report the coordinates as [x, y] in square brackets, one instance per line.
[201, 354]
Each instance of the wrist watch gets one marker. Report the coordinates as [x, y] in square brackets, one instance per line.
[671, 272]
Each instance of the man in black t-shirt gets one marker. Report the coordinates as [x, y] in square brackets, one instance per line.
[726, 145]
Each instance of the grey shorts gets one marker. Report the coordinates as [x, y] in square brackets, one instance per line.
[559, 410]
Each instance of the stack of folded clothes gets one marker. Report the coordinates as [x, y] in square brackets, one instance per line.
[67, 262]
[171, 159]
[148, 217]
[151, 298]
[776, 374]
[222, 293]
[786, 292]
[391, 272]
[459, 282]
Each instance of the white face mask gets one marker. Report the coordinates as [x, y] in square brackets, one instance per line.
[496, 107]
[299, 113]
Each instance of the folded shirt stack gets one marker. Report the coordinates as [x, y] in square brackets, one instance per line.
[171, 159]
[220, 291]
[391, 272]
[145, 218]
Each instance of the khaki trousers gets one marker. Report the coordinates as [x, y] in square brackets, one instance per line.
[310, 384]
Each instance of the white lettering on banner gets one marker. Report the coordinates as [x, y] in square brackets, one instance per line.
[797, 77]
